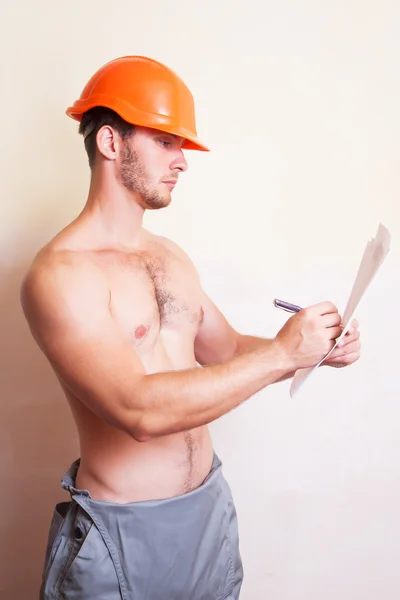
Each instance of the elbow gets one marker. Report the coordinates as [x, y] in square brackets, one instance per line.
[141, 436]
[150, 427]
[134, 418]
[140, 431]
[143, 421]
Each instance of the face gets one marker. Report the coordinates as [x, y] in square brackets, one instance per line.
[150, 164]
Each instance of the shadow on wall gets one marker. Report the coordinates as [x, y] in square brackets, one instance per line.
[38, 441]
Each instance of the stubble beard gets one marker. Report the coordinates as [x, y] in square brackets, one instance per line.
[134, 177]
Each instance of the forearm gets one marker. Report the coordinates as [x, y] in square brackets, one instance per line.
[181, 400]
[249, 343]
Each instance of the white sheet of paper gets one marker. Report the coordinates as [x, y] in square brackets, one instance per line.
[375, 253]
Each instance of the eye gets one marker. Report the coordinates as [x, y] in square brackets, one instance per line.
[164, 143]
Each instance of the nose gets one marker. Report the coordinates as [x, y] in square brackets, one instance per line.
[179, 163]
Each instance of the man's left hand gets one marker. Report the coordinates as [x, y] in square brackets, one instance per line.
[348, 350]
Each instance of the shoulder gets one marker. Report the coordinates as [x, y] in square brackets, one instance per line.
[54, 267]
[57, 280]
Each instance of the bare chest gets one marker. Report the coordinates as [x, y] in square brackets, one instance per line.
[152, 295]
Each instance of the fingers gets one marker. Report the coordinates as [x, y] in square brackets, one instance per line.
[332, 320]
[353, 327]
[324, 314]
[343, 361]
[350, 348]
[349, 338]
[322, 308]
[334, 332]
[327, 308]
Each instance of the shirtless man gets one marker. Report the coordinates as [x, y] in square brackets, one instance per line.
[124, 322]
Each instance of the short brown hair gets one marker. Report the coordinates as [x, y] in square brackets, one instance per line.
[93, 120]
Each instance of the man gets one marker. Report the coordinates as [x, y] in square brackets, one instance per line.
[124, 322]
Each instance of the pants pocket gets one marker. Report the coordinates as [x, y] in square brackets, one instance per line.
[54, 539]
[90, 573]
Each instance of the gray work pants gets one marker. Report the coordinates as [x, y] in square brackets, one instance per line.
[181, 548]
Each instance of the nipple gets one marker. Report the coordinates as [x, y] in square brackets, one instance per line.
[140, 332]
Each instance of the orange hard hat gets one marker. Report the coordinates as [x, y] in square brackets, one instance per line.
[143, 92]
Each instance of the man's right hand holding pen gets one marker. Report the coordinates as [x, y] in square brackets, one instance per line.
[311, 332]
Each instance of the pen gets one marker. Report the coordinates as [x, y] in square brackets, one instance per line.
[293, 308]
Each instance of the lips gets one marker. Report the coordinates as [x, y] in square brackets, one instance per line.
[170, 183]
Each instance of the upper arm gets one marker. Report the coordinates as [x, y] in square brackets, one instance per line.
[216, 340]
[68, 313]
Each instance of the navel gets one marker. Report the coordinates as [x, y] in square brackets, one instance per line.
[140, 332]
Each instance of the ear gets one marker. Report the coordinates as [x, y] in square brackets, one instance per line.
[107, 142]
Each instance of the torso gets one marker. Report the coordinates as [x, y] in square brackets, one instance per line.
[155, 299]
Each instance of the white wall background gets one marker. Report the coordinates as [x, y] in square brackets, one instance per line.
[299, 102]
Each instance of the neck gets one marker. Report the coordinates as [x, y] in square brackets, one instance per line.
[113, 211]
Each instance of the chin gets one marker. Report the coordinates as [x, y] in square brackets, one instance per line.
[161, 202]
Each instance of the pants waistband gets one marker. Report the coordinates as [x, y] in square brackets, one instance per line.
[68, 481]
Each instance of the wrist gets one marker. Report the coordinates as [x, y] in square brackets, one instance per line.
[284, 362]
[276, 355]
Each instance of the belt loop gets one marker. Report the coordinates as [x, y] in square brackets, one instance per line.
[69, 479]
